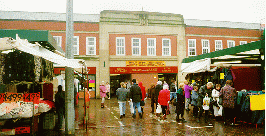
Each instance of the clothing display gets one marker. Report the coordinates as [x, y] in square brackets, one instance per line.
[48, 91]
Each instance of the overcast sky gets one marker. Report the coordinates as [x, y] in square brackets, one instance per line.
[249, 11]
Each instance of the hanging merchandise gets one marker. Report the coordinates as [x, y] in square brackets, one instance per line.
[48, 91]
[257, 102]
[19, 66]
[38, 68]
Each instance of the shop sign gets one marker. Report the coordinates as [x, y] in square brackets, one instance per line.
[145, 64]
[132, 70]
[91, 70]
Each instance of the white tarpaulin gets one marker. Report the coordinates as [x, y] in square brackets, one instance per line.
[38, 50]
[196, 66]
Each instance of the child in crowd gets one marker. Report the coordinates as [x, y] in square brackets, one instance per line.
[194, 101]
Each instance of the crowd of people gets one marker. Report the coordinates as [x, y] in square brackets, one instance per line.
[212, 100]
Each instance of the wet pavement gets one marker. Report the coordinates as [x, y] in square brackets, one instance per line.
[106, 121]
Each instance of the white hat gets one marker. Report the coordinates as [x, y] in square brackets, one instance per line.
[159, 83]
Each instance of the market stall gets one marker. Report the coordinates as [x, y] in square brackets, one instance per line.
[26, 85]
[245, 66]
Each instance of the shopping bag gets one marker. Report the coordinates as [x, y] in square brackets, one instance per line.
[131, 107]
[206, 103]
[159, 109]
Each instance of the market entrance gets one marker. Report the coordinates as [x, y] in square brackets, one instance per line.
[167, 77]
[116, 79]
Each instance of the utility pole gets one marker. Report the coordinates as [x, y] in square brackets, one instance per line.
[69, 92]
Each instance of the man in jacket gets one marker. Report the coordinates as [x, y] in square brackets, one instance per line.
[205, 90]
[60, 107]
[136, 96]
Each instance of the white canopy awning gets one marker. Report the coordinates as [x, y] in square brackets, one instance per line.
[197, 66]
[38, 50]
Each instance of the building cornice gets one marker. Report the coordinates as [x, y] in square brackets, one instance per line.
[223, 36]
[142, 58]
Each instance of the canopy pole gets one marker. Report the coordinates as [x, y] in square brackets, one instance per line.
[70, 111]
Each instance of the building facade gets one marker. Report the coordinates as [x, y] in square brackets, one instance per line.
[119, 46]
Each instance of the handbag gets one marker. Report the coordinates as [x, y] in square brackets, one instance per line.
[159, 109]
[131, 107]
[206, 103]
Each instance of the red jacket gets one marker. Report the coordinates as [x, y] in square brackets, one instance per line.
[164, 97]
[142, 90]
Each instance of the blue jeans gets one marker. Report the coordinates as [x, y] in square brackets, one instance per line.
[137, 104]
[122, 108]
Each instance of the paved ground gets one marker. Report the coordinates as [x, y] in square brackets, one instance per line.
[106, 121]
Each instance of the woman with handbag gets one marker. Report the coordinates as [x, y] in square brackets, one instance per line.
[163, 99]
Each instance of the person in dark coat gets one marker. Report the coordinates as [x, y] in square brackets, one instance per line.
[60, 107]
[228, 95]
[136, 96]
[205, 90]
[152, 92]
[158, 88]
[180, 103]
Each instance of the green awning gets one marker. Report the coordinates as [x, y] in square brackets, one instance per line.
[43, 37]
[242, 53]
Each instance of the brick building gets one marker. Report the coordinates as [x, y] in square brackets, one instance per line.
[121, 45]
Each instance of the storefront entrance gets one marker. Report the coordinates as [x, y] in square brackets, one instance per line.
[116, 79]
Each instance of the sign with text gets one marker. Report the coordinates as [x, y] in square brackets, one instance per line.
[132, 70]
[15, 97]
[145, 64]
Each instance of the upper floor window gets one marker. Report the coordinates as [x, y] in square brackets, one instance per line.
[136, 46]
[205, 46]
[218, 45]
[166, 49]
[120, 45]
[151, 46]
[58, 40]
[76, 45]
[230, 43]
[191, 47]
[242, 42]
[90, 45]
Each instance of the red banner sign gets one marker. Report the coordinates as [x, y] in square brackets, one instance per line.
[132, 70]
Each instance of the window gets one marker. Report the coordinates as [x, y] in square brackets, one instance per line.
[205, 46]
[120, 45]
[90, 45]
[166, 49]
[242, 42]
[218, 45]
[136, 46]
[230, 43]
[191, 47]
[58, 40]
[151, 46]
[76, 45]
